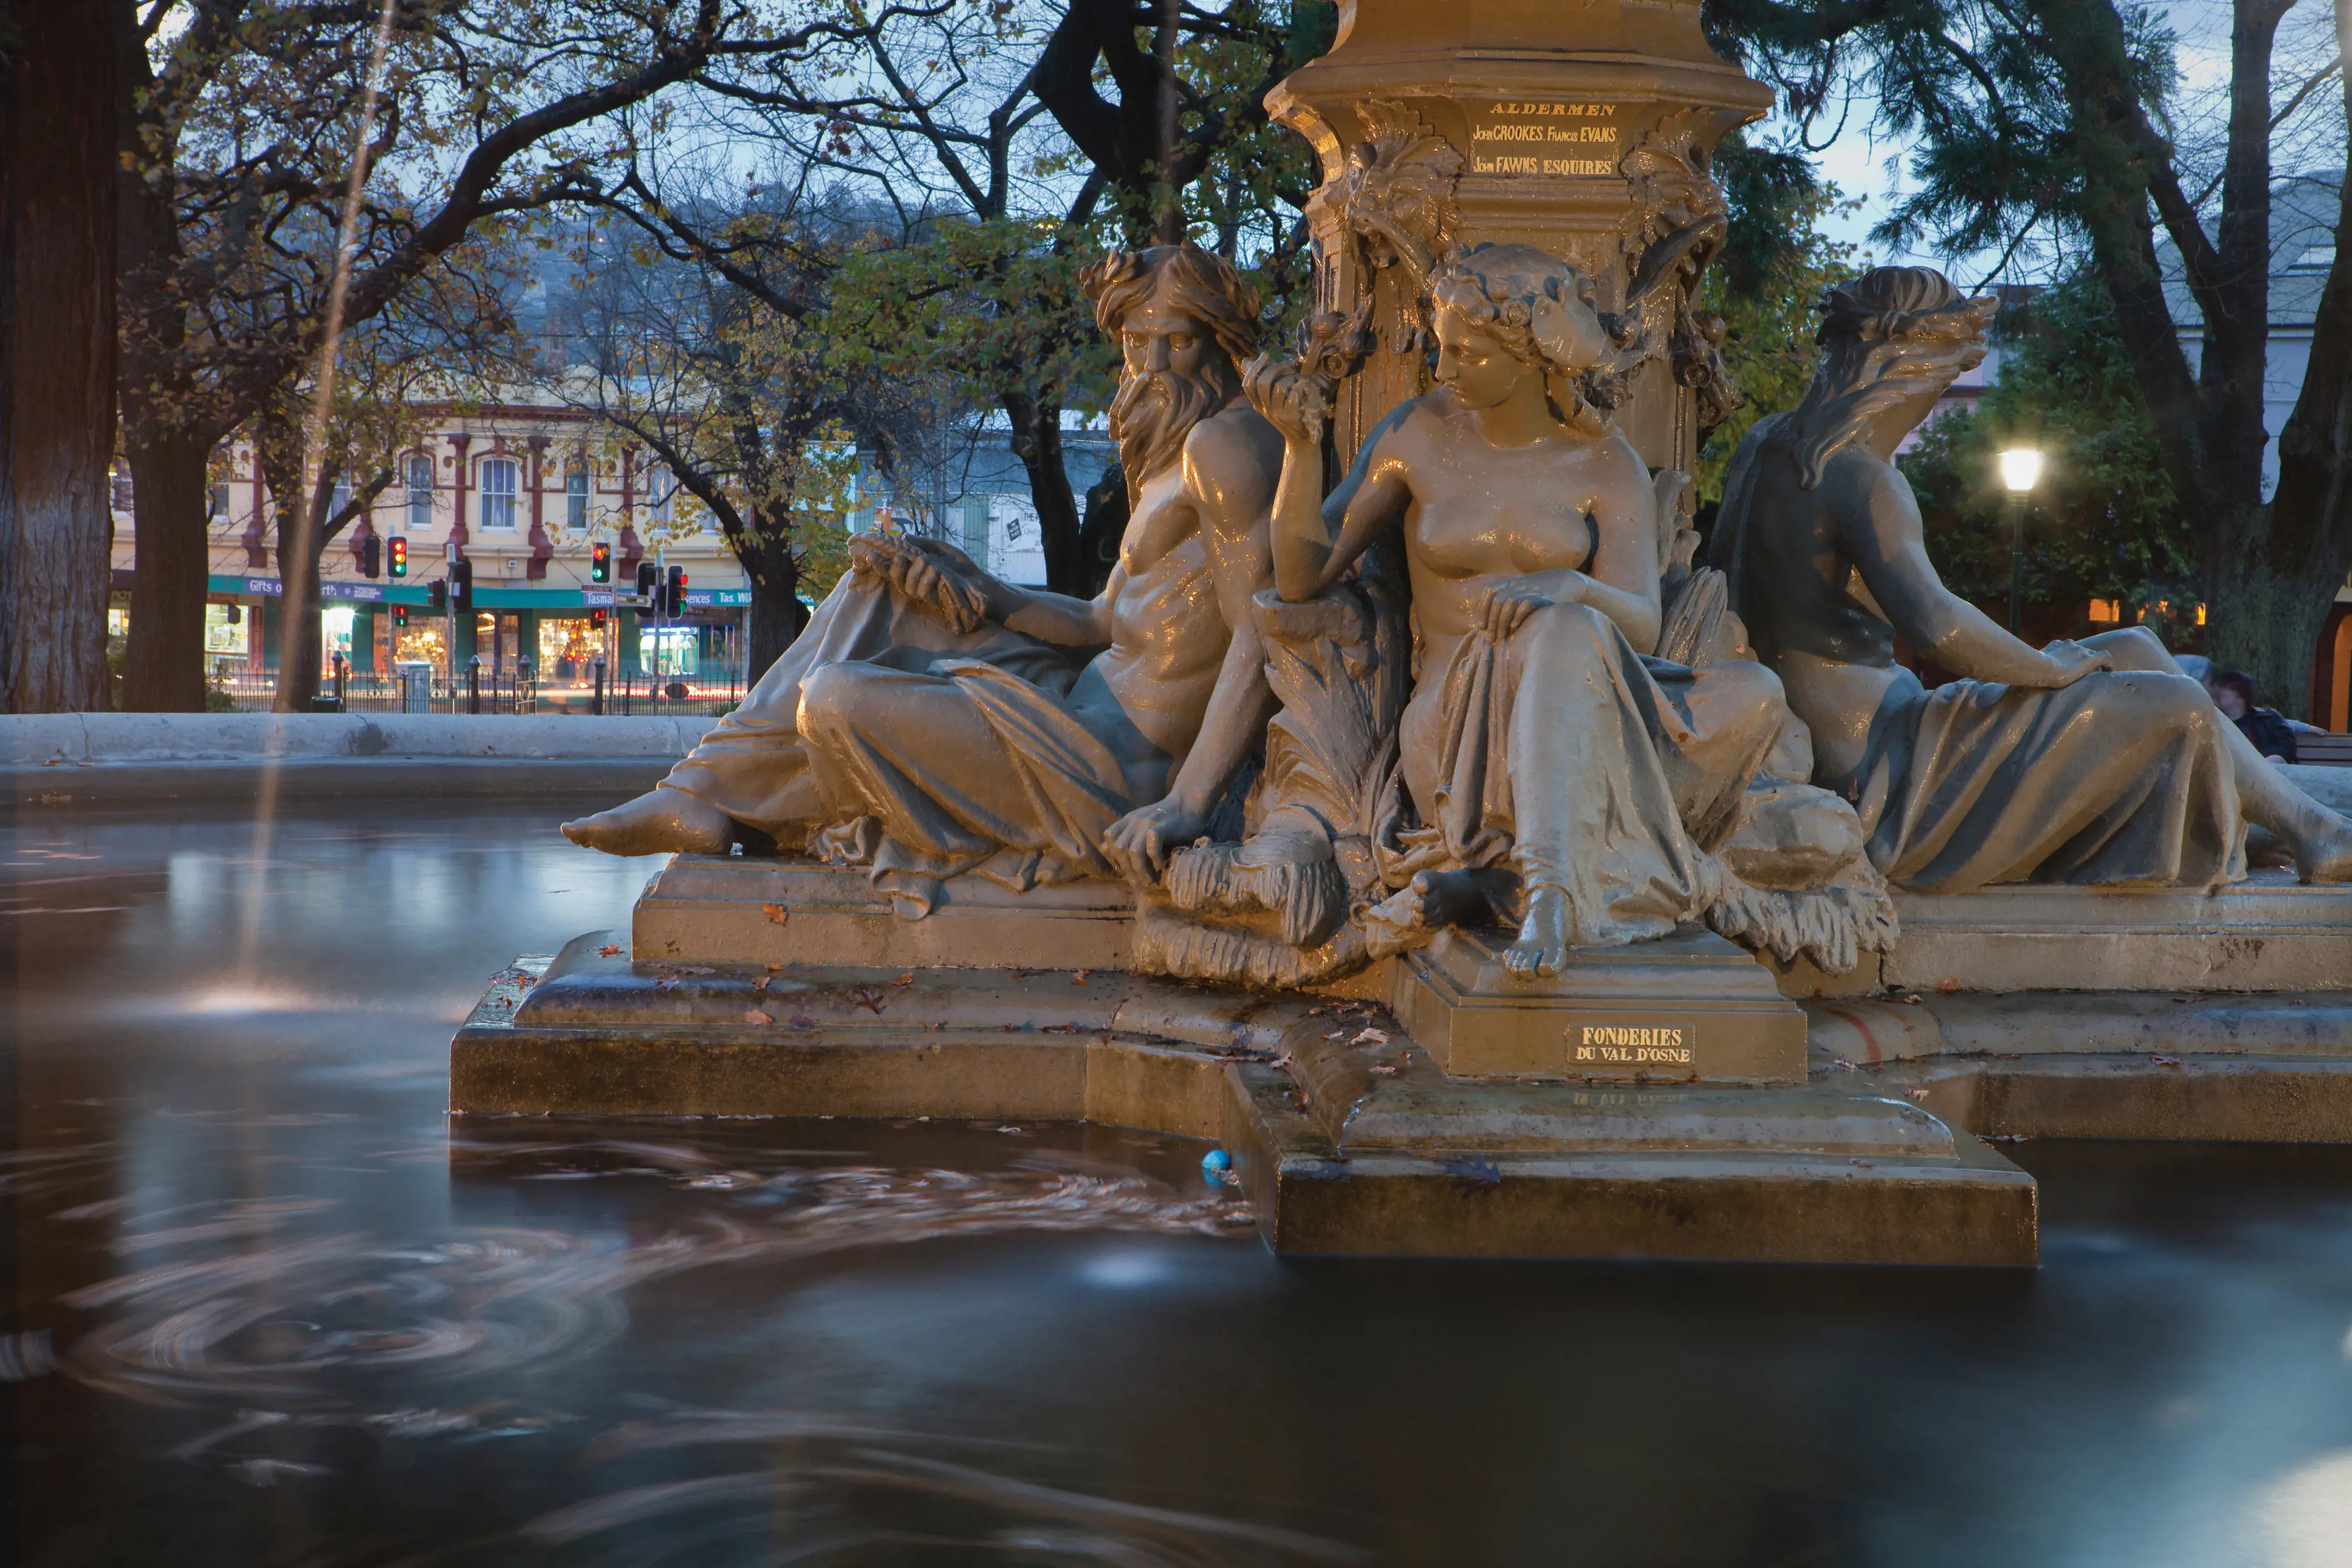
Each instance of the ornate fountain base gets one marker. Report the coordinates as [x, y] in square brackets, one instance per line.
[1435, 1106]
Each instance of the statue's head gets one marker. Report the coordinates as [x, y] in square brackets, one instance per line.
[1506, 312]
[1891, 340]
[1184, 322]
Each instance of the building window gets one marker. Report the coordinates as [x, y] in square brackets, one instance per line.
[420, 493]
[575, 497]
[343, 497]
[219, 504]
[661, 493]
[499, 494]
[225, 628]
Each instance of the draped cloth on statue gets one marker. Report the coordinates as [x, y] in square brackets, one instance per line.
[965, 767]
[2120, 779]
[1591, 768]
[882, 737]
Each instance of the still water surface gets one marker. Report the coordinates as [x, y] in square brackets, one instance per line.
[265, 1305]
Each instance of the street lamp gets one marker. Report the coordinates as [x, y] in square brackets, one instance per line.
[2021, 466]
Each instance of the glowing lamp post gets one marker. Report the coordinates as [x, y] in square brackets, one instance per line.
[2021, 468]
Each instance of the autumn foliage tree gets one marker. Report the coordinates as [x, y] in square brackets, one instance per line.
[236, 130]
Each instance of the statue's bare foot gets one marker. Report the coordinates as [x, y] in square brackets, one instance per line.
[1452, 898]
[2322, 851]
[660, 822]
[1544, 935]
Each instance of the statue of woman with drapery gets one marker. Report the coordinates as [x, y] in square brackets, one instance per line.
[1563, 777]
[2096, 762]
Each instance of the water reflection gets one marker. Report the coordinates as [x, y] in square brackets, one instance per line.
[266, 1305]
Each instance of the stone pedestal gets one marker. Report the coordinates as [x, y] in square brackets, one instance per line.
[1690, 1009]
[1455, 1119]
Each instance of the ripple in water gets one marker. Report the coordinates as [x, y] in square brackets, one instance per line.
[308, 1323]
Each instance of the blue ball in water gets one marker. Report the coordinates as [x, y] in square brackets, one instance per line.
[1217, 1164]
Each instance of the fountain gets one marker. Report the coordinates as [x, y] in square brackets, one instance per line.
[1488, 874]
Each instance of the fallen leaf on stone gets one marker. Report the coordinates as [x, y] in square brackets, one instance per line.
[870, 999]
[1080, 978]
[776, 912]
[906, 979]
[1372, 1037]
[754, 1016]
[609, 950]
[761, 983]
[668, 985]
[1387, 1071]
[1282, 1061]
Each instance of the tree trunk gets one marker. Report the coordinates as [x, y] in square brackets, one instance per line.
[1037, 441]
[300, 648]
[778, 616]
[278, 448]
[56, 353]
[164, 667]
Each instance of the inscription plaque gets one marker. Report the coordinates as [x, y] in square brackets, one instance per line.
[1632, 1045]
[1553, 137]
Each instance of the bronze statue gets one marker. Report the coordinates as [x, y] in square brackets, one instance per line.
[2095, 762]
[930, 720]
[1565, 777]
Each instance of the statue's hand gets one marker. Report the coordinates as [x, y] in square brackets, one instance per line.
[1507, 604]
[915, 577]
[2069, 662]
[1293, 401]
[1140, 844]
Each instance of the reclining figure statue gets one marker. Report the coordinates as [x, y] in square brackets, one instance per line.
[2096, 762]
[931, 721]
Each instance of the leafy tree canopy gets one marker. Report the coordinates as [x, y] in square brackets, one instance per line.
[2105, 522]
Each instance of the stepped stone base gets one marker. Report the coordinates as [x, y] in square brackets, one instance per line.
[1348, 1136]
[1437, 1105]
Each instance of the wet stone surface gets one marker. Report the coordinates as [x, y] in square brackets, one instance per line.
[265, 1305]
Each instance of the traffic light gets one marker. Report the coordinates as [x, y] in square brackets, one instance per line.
[398, 549]
[600, 563]
[438, 599]
[400, 615]
[674, 602]
[596, 617]
[461, 584]
[649, 583]
[370, 556]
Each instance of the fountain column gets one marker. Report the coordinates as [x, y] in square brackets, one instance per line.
[1584, 127]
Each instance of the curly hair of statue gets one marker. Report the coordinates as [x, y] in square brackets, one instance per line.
[1521, 296]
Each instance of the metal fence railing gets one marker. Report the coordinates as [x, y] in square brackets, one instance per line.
[481, 689]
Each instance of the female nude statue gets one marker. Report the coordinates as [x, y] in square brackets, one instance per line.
[2096, 762]
[1571, 778]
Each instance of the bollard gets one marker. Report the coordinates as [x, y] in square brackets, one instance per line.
[474, 684]
[597, 705]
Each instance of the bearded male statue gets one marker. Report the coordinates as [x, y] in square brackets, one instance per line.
[931, 720]
[2097, 762]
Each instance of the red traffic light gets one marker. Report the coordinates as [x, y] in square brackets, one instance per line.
[600, 563]
[398, 547]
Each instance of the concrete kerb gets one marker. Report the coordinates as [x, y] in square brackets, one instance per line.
[54, 758]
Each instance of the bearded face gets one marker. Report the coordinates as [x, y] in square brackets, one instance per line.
[1176, 376]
